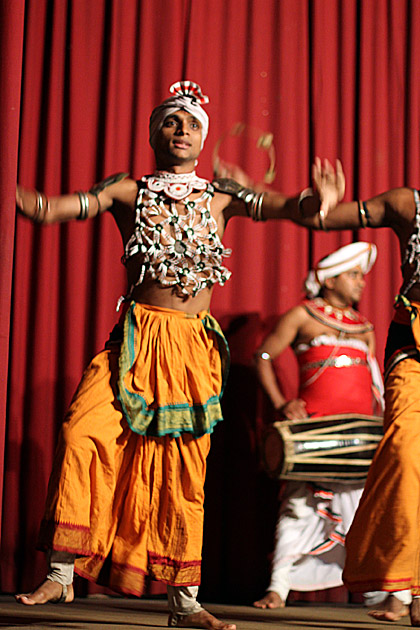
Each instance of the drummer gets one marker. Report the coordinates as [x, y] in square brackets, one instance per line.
[335, 348]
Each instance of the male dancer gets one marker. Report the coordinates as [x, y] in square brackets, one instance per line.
[383, 543]
[335, 348]
[126, 492]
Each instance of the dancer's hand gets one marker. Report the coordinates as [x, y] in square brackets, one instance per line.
[223, 169]
[294, 409]
[330, 184]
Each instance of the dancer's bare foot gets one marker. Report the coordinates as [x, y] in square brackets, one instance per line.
[47, 592]
[391, 609]
[415, 612]
[270, 600]
[202, 619]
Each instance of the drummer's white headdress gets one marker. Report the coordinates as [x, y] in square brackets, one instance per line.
[356, 254]
[187, 96]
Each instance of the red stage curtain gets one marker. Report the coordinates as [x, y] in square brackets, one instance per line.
[11, 30]
[333, 78]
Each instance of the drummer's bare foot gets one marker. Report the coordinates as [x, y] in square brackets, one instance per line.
[270, 600]
[48, 592]
[202, 619]
[415, 612]
[391, 609]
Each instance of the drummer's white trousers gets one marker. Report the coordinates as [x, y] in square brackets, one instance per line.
[309, 550]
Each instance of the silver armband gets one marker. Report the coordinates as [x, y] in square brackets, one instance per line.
[263, 355]
[253, 200]
[108, 181]
[99, 187]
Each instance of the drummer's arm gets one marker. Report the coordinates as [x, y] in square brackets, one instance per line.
[371, 342]
[283, 335]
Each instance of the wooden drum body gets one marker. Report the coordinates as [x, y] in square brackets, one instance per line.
[324, 448]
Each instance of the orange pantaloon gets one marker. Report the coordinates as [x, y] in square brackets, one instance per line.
[383, 544]
[127, 504]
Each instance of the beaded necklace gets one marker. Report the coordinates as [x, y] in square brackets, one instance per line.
[346, 320]
[175, 185]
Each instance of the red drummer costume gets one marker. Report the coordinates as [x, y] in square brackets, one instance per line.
[337, 375]
[341, 365]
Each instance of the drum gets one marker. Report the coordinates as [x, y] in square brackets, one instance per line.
[324, 448]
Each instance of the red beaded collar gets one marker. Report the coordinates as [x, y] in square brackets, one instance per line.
[342, 319]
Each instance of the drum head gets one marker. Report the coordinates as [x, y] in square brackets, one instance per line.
[272, 452]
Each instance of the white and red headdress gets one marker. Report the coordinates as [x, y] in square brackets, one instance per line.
[187, 96]
[344, 259]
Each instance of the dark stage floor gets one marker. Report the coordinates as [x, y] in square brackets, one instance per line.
[123, 614]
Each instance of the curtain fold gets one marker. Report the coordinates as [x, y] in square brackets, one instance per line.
[329, 78]
[11, 31]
